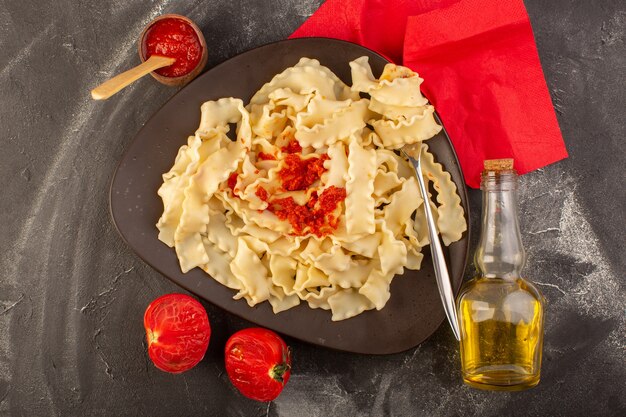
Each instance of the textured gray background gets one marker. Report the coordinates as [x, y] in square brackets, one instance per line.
[72, 295]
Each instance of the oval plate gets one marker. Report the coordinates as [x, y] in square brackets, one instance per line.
[414, 311]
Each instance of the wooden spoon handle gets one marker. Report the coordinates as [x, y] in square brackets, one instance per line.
[115, 84]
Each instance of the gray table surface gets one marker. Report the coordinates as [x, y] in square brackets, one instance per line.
[72, 295]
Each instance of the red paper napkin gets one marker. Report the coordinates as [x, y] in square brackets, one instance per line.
[480, 65]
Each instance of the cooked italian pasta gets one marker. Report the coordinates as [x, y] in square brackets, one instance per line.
[310, 202]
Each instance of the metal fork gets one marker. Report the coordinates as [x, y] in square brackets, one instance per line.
[413, 153]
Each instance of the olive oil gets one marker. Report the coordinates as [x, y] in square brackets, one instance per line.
[500, 313]
[503, 325]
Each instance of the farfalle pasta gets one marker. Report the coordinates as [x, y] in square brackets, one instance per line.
[311, 201]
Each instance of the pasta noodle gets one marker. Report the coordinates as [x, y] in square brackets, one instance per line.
[310, 203]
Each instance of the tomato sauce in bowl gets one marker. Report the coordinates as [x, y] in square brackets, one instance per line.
[174, 36]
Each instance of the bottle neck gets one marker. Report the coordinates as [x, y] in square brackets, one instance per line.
[500, 252]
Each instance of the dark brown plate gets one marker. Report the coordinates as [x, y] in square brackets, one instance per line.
[414, 311]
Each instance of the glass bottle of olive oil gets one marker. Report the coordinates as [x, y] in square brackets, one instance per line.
[500, 313]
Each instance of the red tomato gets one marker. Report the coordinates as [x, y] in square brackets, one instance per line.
[178, 332]
[258, 363]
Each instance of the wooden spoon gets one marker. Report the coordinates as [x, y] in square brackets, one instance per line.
[115, 84]
[149, 65]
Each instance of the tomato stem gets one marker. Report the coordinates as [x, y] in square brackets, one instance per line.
[278, 371]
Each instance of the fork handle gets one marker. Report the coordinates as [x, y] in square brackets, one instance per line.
[439, 261]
